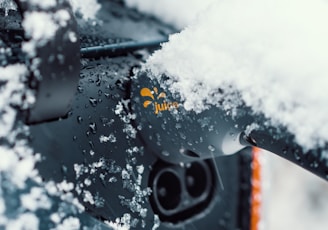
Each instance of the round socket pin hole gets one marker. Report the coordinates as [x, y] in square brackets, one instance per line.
[196, 180]
[168, 190]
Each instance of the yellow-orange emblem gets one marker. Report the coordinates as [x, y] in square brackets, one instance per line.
[153, 97]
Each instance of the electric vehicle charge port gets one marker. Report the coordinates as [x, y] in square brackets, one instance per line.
[180, 192]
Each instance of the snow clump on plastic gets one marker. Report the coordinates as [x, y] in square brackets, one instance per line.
[87, 8]
[271, 51]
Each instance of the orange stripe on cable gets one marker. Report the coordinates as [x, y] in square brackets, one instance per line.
[256, 192]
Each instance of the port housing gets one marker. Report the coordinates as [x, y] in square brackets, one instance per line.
[181, 192]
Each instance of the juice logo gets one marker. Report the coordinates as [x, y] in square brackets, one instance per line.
[154, 96]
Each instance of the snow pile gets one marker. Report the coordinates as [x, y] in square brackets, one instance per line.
[87, 8]
[40, 27]
[176, 12]
[272, 51]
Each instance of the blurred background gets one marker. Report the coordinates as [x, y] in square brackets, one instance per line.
[293, 198]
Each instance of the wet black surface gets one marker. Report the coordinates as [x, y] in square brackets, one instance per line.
[75, 143]
[98, 146]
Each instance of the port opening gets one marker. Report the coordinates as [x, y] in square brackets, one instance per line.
[196, 179]
[168, 190]
[181, 192]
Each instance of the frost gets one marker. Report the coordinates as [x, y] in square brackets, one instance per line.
[88, 197]
[26, 221]
[79, 170]
[126, 117]
[125, 174]
[117, 226]
[8, 159]
[119, 108]
[40, 26]
[55, 217]
[13, 89]
[132, 184]
[110, 138]
[87, 182]
[156, 222]
[268, 51]
[140, 169]
[251, 128]
[72, 36]
[130, 131]
[72, 223]
[112, 179]
[125, 222]
[65, 186]
[99, 201]
[62, 17]
[36, 199]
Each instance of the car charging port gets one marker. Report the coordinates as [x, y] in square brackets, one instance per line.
[196, 180]
[180, 192]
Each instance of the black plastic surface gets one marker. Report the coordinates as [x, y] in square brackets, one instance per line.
[104, 85]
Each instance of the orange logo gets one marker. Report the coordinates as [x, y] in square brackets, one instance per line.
[153, 96]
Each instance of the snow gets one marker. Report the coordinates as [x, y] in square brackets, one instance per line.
[18, 159]
[273, 52]
[41, 27]
[65, 186]
[26, 221]
[156, 222]
[12, 75]
[117, 226]
[62, 17]
[110, 138]
[36, 199]
[165, 10]
[8, 5]
[44, 4]
[72, 223]
[88, 8]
